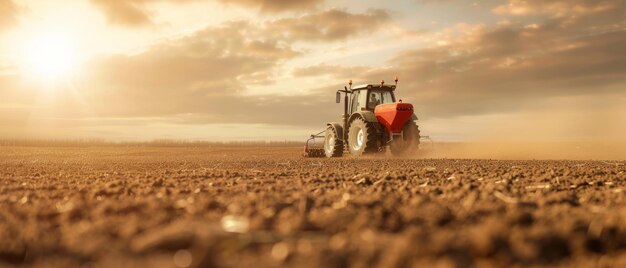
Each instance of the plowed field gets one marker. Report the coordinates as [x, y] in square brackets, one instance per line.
[266, 207]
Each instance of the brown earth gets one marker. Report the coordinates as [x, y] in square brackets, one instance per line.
[260, 207]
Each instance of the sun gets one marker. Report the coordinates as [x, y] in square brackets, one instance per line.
[50, 57]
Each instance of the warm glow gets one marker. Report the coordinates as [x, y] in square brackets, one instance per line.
[50, 57]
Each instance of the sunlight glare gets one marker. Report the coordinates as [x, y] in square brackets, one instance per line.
[50, 57]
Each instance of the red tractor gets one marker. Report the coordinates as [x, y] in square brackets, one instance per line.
[373, 121]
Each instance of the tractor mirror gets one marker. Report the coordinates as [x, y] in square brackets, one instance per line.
[338, 97]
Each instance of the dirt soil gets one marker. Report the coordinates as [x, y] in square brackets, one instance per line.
[267, 207]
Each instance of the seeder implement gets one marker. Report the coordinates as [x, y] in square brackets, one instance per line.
[312, 148]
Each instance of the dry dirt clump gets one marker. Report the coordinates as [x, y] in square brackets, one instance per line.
[268, 207]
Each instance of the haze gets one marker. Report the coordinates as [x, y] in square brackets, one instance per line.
[267, 70]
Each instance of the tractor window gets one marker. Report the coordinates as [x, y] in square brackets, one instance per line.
[387, 97]
[379, 97]
[362, 99]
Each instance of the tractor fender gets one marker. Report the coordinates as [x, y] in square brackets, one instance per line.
[337, 128]
[368, 116]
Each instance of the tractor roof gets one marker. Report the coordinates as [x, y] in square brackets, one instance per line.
[374, 86]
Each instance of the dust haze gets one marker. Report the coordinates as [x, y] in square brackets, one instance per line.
[525, 150]
[554, 130]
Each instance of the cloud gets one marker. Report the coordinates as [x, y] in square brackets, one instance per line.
[206, 59]
[216, 61]
[137, 13]
[504, 69]
[200, 79]
[275, 6]
[125, 12]
[132, 13]
[336, 71]
[8, 14]
[212, 58]
[330, 25]
[508, 68]
[559, 8]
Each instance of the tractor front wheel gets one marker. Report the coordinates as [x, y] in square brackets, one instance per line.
[333, 147]
[362, 137]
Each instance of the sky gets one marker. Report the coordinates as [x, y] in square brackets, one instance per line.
[135, 70]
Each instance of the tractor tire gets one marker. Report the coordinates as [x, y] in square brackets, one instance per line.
[363, 138]
[409, 143]
[333, 147]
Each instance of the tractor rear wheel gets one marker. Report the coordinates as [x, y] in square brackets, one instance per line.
[333, 147]
[362, 137]
[409, 142]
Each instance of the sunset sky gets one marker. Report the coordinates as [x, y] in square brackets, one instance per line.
[529, 70]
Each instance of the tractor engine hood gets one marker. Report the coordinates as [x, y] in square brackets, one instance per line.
[393, 115]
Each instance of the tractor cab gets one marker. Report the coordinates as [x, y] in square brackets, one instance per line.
[367, 97]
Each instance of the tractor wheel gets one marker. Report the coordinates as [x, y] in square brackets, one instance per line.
[409, 142]
[333, 147]
[362, 137]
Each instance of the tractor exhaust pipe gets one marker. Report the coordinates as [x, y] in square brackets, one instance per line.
[346, 116]
[345, 111]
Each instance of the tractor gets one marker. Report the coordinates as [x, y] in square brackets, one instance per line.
[373, 121]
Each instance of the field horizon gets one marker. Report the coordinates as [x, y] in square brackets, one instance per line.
[567, 150]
